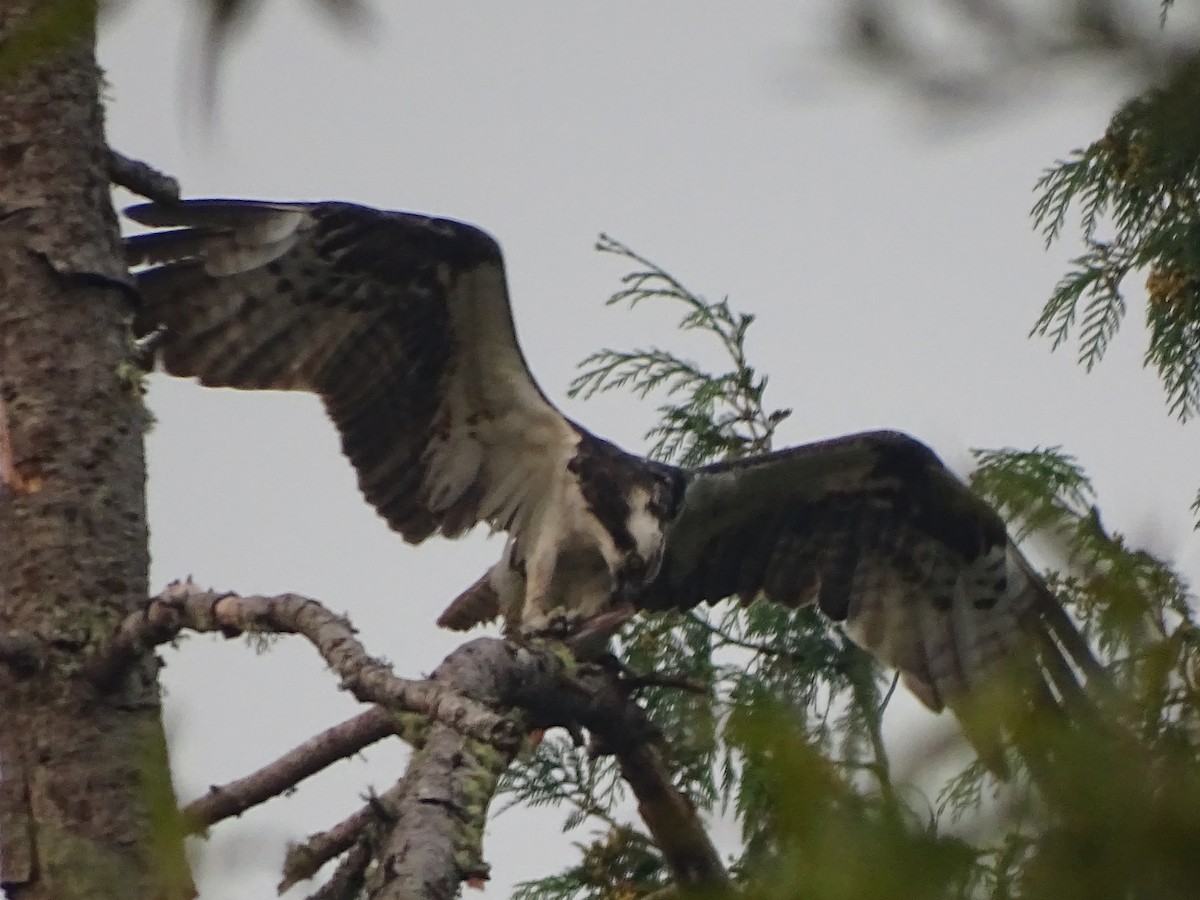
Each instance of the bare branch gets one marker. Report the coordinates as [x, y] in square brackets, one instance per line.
[304, 859]
[158, 622]
[183, 605]
[141, 178]
[315, 754]
[639, 682]
[434, 844]
[432, 825]
[347, 880]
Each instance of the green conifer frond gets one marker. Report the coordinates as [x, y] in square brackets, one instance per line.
[621, 864]
[721, 414]
[1033, 489]
[1142, 178]
[1129, 601]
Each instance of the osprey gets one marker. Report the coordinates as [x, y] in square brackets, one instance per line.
[401, 324]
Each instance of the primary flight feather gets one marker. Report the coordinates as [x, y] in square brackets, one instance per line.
[401, 324]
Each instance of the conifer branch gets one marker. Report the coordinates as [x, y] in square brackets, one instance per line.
[1142, 179]
[720, 415]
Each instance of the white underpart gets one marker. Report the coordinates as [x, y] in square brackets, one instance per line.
[451, 474]
[566, 569]
[983, 636]
[255, 245]
[569, 567]
[497, 432]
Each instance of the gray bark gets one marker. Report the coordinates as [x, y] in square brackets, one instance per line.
[86, 807]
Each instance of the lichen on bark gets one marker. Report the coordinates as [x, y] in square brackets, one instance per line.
[85, 786]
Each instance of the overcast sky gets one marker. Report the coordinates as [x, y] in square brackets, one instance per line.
[885, 247]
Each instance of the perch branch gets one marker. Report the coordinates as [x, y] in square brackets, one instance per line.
[434, 843]
[141, 178]
[183, 605]
[315, 754]
[429, 837]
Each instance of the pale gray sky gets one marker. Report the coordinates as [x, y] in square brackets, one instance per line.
[886, 250]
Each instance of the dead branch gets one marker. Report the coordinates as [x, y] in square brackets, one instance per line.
[304, 859]
[158, 622]
[185, 606]
[347, 881]
[315, 754]
[428, 829]
[635, 683]
[141, 178]
[21, 653]
[434, 843]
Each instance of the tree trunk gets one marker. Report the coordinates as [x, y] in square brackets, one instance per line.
[86, 806]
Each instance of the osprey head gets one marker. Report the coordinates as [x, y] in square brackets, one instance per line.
[652, 503]
[631, 502]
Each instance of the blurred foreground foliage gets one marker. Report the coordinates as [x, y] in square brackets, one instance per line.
[780, 734]
[1136, 190]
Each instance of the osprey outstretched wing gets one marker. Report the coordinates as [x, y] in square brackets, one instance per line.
[401, 324]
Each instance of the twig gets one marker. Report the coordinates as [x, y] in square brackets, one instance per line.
[304, 859]
[21, 653]
[732, 640]
[141, 178]
[634, 683]
[347, 881]
[315, 754]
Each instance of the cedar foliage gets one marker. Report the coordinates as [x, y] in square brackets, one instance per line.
[781, 729]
